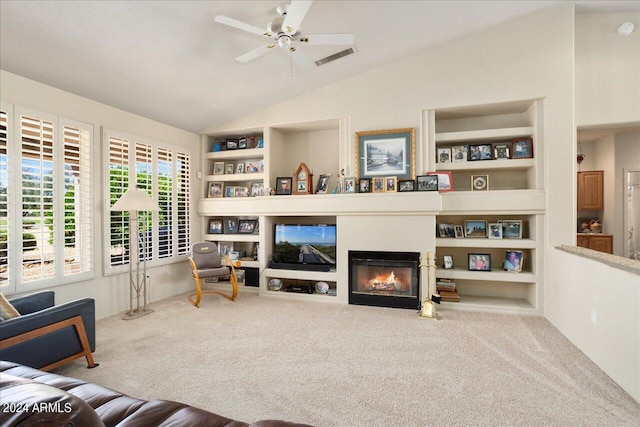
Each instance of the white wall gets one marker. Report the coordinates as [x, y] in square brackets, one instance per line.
[111, 292]
[627, 148]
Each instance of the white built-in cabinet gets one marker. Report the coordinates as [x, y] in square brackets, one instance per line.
[516, 192]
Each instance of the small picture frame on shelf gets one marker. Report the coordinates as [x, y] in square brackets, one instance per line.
[522, 148]
[215, 190]
[218, 168]
[215, 226]
[447, 262]
[229, 191]
[427, 182]
[502, 150]
[240, 167]
[229, 168]
[225, 248]
[349, 185]
[283, 185]
[405, 185]
[257, 189]
[459, 153]
[247, 226]
[241, 191]
[479, 262]
[242, 143]
[230, 226]
[513, 261]
[445, 181]
[475, 228]
[251, 166]
[364, 185]
[378, 184]
[511, 229]
[495, 230]
[444, 155]
[480, 152]
[458, 230]
[391, 184]
[231, 144]
[479, 182]
[446, 230]
[323, 184]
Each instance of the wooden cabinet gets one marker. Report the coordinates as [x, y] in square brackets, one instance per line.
[591, 191]
[597, 242]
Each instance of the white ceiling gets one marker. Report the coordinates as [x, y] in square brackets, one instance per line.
[169, 61]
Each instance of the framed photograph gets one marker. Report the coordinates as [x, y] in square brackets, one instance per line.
[378, 184]
[447, 262]
[215, 226]
[228, 168]
[479, 182]
[459, 153]
[257, 189]
[511, 229]
[522, 148]
[242, 143]
[230, 226]
[218, 168]
[390, 184]
[446, 230]
[283, 185]
[251, 166]
[513, 261]
[229, 191]
[502, 150]
[406, 185]
[427, 182]
[479, 262]
[475, 228]
[240, 167]
[225, 248]
[386, 152]
[215, 189]
[445, 181]
[444, 155]
[241, 191]
[323, 184]
[231, 144]
[364, 185]
[495, 230]
[458, 231]
[247, 226]
[349, 185]
[480, 152]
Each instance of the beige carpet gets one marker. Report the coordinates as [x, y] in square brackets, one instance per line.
[337, 365]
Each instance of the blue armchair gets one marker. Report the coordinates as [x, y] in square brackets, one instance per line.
[46, 336]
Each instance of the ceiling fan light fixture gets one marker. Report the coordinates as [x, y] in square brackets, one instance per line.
[284, 42]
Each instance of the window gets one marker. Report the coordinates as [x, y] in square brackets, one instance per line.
[46, 226]
[163, 171]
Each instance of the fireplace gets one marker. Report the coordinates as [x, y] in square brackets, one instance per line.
[384, 279]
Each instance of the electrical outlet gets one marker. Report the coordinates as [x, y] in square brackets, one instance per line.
[594, 317]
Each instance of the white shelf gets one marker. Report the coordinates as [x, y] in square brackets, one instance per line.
[500, 164]
[484, 135]
[502, 202]
[232, 237]
[492, 304]
[247, 153]
[235, 177]
[468, 242]
[325, 276]
[495, 275]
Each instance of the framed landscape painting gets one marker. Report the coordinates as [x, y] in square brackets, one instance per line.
[386, 153]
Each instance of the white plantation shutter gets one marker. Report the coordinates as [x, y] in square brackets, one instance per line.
[183, 203]
[5, 284]
[164, 173]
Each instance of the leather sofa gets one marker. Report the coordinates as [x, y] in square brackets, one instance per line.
[34, 397]
[46, 335]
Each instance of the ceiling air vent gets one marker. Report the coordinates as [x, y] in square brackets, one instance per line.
[335, 56]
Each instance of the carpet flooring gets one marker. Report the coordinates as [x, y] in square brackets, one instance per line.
[345, 365]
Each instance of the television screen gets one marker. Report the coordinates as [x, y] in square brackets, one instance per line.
[305, 244]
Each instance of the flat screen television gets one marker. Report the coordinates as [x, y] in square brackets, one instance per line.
[312, 244]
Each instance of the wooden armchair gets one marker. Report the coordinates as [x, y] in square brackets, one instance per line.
[207, 262]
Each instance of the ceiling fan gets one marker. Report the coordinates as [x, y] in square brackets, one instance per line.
[285, 33]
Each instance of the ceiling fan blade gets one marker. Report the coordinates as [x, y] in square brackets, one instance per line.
[253, 54]
[221, 19]
[328, 39]
[296, 12]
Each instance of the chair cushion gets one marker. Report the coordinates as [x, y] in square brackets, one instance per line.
[7, 310]
[214, 272]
